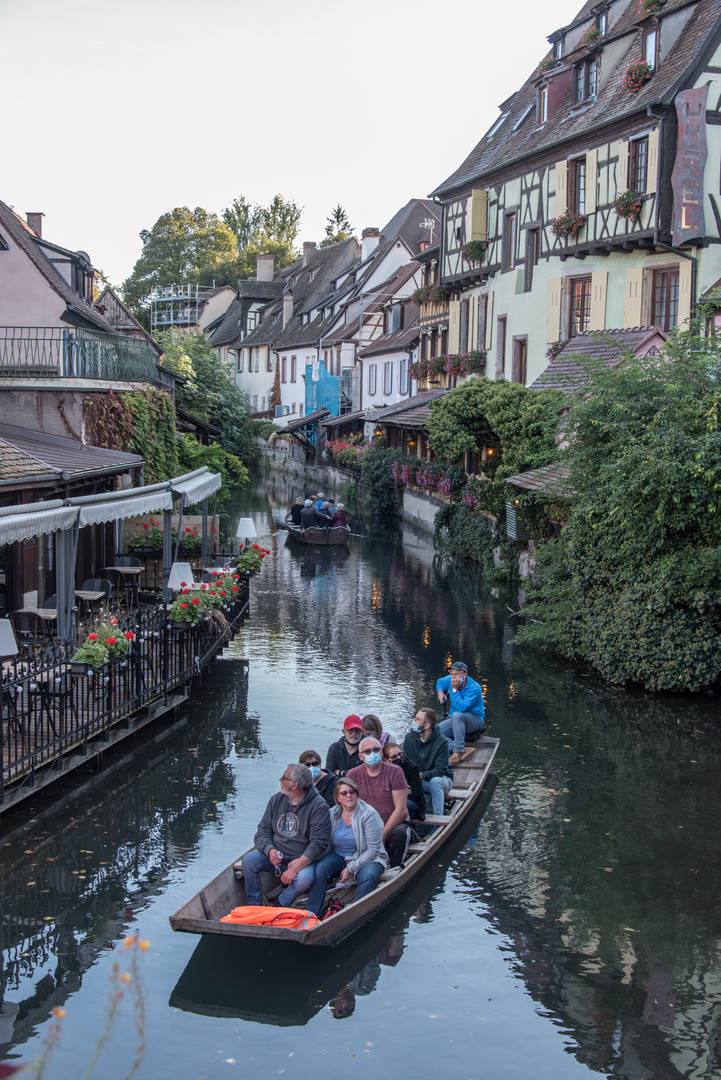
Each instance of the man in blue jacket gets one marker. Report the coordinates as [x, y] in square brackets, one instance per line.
[466, 710]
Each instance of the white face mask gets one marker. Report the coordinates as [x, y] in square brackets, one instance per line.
[314, 771]
[415, 726]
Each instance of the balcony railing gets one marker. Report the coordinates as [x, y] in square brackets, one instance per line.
[49, 352]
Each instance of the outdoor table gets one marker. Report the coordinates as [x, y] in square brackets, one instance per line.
[89, 597]
[47, 614]
[131, 574]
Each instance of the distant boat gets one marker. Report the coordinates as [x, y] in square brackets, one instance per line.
[337, 534]
[202, 914]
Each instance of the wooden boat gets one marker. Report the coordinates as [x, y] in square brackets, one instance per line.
[202, 914]
[338, 534]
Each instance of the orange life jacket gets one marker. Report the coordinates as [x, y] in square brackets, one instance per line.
[286, 917]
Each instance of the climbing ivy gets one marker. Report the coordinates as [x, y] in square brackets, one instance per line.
[141, 422]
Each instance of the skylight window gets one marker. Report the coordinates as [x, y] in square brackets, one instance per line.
[524, 116]
[499, 122]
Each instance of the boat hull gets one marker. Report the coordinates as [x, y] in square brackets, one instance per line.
[319, 537]
[202, 914]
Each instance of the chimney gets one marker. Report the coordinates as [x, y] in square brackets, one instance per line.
[35, 221]
[287, 307]
[309, 246]
[264, 267]
[369, 242]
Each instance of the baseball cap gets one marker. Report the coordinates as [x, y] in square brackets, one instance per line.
[353, 721]
[459, 666]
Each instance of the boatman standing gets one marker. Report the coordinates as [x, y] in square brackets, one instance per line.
[466, 710]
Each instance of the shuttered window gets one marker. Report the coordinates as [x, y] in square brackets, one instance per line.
[664, 299]
[580, 306]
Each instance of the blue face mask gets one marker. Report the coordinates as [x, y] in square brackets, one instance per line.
[373, 758]
[314, 771]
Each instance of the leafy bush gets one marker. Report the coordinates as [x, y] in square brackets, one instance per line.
[634, 586]
[381, 493]
[193, 455]
[462, 532]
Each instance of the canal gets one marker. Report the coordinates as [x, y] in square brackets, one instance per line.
[574, 931]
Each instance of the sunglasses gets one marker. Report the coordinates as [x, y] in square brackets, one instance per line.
[347, 791]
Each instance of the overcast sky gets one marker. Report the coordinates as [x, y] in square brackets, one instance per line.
[116, 111]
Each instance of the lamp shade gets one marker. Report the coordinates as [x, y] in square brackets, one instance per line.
[180, 572]
[246, 527]
[8, 644]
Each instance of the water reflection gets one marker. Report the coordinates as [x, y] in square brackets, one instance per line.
[593, 883]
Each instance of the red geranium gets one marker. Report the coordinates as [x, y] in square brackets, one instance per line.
[222, 593]
[184, 606]
[111, 641]
[195, 600]
[234, 588]
[130, 636]
[92, 637]
[146, 526]
[256, 547]
[187, 528]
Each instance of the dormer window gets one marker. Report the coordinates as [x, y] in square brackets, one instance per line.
[584, 80]
[602, 23]
[650, 41]
[524, 116]
[501, 120]
[543, 105]
[558, 49]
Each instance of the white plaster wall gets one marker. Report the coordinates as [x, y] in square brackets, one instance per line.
[26, 299]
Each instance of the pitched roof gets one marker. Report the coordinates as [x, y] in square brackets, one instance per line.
[33, 454]
[413, 412]
[309, 418]
[121, 318]
[22, 235]
[567, 370]
[399, 341]
[517, 138]
[252, 289]
[551, 479]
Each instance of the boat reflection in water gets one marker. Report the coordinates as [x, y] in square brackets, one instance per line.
[317, 561]
[274, 983]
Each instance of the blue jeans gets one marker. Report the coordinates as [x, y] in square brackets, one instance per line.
[437, 787]
[457, 726]
[330, 867]
[255, 862]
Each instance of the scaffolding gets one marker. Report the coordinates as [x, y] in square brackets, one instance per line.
[176, 306]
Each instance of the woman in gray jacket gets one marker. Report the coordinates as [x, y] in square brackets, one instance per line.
[357, 849]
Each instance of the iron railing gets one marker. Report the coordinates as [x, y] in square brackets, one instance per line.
[46, 352]
[52, 706]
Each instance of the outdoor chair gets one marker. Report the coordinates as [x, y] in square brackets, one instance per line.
[29, 629]
[51, 603]
[127, 560]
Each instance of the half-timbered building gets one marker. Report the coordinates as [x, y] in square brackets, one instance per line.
[592, 203]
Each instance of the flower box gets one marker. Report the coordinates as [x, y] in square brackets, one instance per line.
[568, 224]
[635, 76]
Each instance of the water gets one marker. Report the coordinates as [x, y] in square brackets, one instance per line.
[574, 930]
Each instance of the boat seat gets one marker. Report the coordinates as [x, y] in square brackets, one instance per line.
[438, 819]
[459, 793]
[420, 846]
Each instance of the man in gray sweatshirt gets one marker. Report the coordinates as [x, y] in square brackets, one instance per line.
[292, 835]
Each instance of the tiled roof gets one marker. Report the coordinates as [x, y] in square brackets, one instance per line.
[567, 370]
[25, 238]
[552, 479]
[121, 318]
[418, 405]
[612, 103]
[398, 340]
[252, 289]
[24, 454]
[309, 418]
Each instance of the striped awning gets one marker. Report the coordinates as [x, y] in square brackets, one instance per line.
[35, 519]
[196, 486]
[115, 505]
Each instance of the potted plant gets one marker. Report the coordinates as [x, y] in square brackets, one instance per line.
[547, 64]
[186, 610]
[636, 75]
[649, 7]
[568, 224]
[104, 643]
[150, 540]
[474, 251]
[590, 37]
[627, 204]
[428, 294]
[190, 542]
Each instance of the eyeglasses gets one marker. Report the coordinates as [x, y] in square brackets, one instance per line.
[347, 791]
[311, 763]
[398, 757]
[371, 750]
[282, 778]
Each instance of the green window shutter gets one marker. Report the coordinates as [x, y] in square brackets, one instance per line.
[489, 321]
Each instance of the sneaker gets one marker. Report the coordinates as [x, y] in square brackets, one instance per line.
[455, 758]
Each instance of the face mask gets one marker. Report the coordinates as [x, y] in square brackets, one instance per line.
[374, 758]
[415, 726]
[314, 771]
[398, 760]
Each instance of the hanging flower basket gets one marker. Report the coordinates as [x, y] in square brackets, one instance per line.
[547, 64]
[568, 224]
[635, 76]
[474, 251]
[628, 204]
[591, 36]
[649, 7]
[429, 294]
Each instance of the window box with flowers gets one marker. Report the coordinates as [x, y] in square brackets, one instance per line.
[547, 64]
[568, 224]
[475, 251]
[635, 76]
[592, 35]
[105, 643]
[627, 204]
[649, 7]
[150, 539]
[190, 541]
[428, 294]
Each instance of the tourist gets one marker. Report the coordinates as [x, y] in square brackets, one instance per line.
[292, 835]
[321, 499]
[416, 801]
[372, 726]
[309, 516]
[324, 782]
[384, 787]
[356, 847]
[343, 755]
[428, 747]
[466, 710]
[339, 517]
[325, 514]
[296, 510]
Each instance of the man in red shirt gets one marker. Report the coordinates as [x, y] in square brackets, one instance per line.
[383, 786]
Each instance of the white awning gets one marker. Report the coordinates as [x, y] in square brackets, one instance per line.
[197, 485]
[114, 505]
[35, 519]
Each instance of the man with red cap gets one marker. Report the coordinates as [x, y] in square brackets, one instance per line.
[343, 755]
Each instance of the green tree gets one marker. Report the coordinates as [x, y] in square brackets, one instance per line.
[180, 245]
[338, 227]
[254, 224]
[634, 586]
[210, 393]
